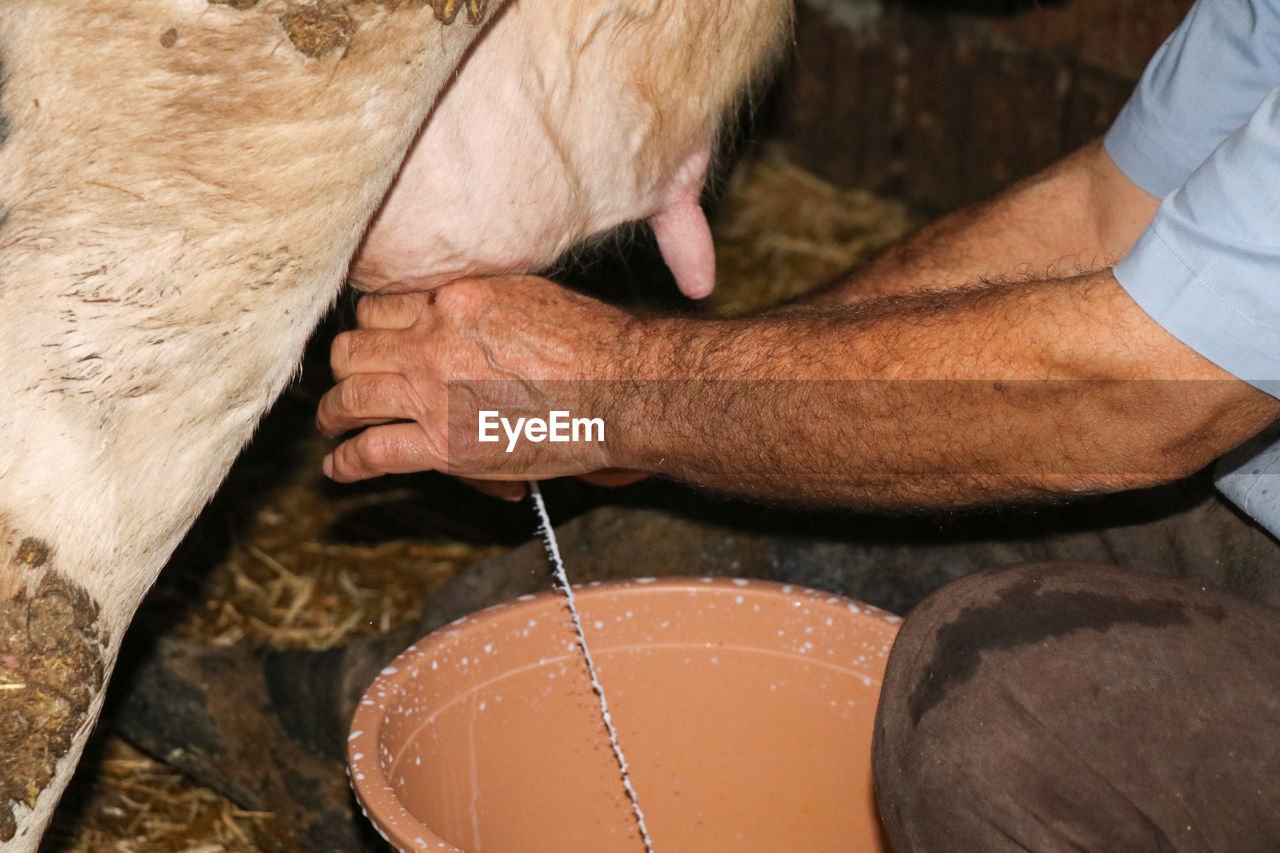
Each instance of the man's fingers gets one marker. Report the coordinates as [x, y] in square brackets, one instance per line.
[375, 351]
[392, 310]
[365, 399]
[401, 448]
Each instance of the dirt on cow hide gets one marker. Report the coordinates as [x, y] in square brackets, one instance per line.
[286, 560]
[447, 10]
[51, 668]
[318, 30]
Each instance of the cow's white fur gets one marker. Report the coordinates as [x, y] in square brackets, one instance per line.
[178, 218]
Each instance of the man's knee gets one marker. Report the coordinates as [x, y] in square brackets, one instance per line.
[1000, 613]
[943, 751]
[1015, 694]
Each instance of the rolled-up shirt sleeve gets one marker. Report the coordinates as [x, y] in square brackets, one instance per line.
[1202, 133]
[1207, 269]
[1203, 83]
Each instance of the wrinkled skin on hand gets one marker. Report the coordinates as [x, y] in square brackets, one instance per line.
[566, 121]
[519, 343]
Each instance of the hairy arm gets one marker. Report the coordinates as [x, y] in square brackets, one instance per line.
[991, 357]
[997, 392]
[1079, 214]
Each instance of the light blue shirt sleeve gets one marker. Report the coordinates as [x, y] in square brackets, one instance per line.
[1207, 268]
[1202, 84]
[1250, 477]
[1202, 132]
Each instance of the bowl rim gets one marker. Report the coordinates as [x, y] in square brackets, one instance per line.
[396, 825]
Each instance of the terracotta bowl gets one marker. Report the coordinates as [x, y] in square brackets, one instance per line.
[745, 710]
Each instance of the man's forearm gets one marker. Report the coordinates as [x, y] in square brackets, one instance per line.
[994, 393]
[1080, 214]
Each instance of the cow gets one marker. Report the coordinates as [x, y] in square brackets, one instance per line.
[183, 187]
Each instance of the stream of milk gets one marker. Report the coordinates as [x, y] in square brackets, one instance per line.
[562, 580]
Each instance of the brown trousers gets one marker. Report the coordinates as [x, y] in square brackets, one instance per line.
[1081, 707]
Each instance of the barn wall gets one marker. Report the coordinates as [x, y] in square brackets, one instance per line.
[943, 109]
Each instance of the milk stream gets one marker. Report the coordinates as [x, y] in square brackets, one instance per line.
[562, 580]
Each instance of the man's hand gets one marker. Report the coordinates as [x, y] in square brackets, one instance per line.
[421, 366]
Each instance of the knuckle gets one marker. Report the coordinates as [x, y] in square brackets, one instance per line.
[352, 395]
[366, 310]
[446, 297]
[325, 415]
[435, 442]
[402, 353]
[340, 352]
[370, 450]
[402, 394]
[468, 295]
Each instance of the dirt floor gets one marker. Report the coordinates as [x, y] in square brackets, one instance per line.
[284, 559]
